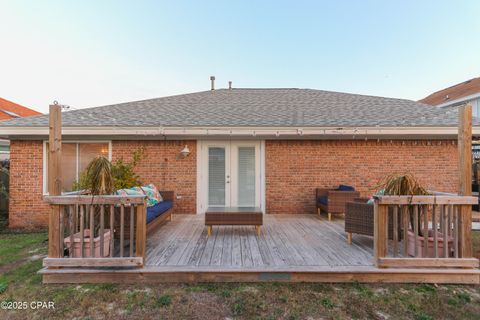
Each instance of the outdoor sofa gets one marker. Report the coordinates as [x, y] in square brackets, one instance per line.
[156, 215]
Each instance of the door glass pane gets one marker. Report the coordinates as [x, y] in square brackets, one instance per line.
[216, 176]
[246, 176]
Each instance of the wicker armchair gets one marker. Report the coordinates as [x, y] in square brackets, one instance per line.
[336, 200]
[359, 219]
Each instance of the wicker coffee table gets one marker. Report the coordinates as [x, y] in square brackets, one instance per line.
[233, 216]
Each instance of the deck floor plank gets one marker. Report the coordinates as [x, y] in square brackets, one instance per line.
[290, 244]
[318, 256]
[236, 247]
[279, 256]
[264, 249]
[227, 246]
[285, 241]
[167, 239]
[253, 242]
[197, 230]
[185, 245]
[346, 254]
[206, 258]
[199, 246]
[245, 233]
[216, 259]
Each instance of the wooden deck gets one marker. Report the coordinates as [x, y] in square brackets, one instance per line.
[285, 241]
[291, 248]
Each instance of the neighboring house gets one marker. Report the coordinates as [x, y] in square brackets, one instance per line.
[248, 147]
[461, 93]
[10, 110]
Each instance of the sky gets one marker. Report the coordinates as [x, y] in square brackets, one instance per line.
[92, 53]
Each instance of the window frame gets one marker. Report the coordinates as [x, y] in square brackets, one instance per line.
[77, 142]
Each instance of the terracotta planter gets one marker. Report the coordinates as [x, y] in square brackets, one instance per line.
[86, 244]
[431, 243]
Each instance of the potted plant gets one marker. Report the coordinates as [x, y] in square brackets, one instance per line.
[97, 180]
[407, 185]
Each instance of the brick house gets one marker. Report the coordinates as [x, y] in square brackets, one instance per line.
[247, 147]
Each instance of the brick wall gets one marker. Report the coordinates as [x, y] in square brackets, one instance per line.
[160, 166]
[26, 207]
[295, 168]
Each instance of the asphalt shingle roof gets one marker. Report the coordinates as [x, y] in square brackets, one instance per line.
[256, 107]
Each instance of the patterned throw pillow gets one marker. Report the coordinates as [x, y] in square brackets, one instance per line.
[153, 196]
[151, 191]
[159, 195]
[135, 191]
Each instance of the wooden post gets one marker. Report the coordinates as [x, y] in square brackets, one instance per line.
[54, 179]
[379, 231]
[465, 229]
[141, 236]
[465, 178]
[465, 150]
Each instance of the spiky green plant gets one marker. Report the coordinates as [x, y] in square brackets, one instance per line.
[404, 184]
[99, 178]
[123, 174]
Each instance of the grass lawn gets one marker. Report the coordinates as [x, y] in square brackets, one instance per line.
[21, 254]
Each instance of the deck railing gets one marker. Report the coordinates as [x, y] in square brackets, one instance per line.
[424, 231]
[96, 231]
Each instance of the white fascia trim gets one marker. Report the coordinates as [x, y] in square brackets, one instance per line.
[459, 100]
[234, 131]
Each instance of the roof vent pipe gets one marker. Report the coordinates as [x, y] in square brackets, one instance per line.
[230, 85]
[212, 79]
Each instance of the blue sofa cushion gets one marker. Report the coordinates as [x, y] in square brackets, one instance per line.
[344, 187]
[158, 209]
[323, 200]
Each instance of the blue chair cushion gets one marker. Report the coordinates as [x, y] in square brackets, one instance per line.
[344, 187]
[323, 200]
[158, 209]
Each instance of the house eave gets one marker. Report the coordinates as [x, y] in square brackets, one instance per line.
[216, 132]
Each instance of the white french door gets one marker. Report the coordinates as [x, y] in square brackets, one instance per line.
[218, 175]
[229, 174]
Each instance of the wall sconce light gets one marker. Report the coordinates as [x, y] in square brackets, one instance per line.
[185, 152]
